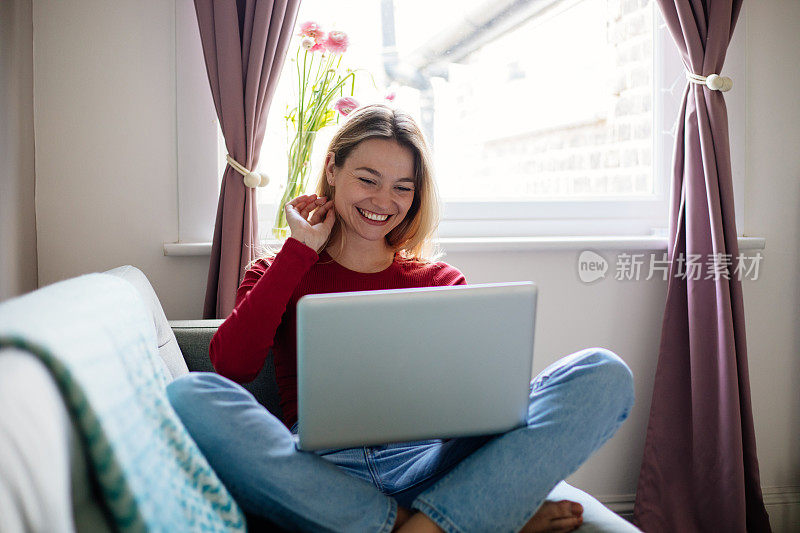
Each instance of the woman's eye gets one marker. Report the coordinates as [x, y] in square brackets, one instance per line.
[365, 180]
[404, 189]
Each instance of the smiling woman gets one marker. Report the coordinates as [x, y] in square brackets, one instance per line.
[379, 175]
[371, 201]
[368, 228]
[370, 197]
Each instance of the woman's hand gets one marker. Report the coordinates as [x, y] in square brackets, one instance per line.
[313, 231]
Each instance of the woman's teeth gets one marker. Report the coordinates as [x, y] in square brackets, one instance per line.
[373, 216]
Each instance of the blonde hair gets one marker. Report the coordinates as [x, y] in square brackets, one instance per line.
[414, 237]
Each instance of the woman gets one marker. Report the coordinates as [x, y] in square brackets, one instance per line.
[369, 227]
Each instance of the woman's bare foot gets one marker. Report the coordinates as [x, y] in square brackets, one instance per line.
[555, 517]
[414, 522]
[403, 515]
[551, 517]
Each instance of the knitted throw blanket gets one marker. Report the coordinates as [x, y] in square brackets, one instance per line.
[97, 338]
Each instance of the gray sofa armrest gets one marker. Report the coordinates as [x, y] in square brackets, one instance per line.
[194, 338]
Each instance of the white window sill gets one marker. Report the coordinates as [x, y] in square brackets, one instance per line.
[509, 244]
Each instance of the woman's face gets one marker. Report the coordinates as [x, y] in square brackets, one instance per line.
[374, 188]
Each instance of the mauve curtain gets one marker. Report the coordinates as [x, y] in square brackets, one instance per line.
[244, 44]
[700, 471]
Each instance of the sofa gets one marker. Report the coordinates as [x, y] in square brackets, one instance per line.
[48, 481]
[36, 428]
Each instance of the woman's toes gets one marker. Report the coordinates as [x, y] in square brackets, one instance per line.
[562, 525]
[577, 509]
[567, 509]
[555, 517]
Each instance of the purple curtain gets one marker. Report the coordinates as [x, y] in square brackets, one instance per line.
[244, 44]
[700, 471]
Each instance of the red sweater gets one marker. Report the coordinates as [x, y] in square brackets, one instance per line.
[264, 316]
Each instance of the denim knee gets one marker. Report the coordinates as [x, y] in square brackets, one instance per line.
[186, 385]
[613, 376]
[182, 392]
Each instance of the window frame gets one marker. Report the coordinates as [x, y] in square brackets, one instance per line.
[198, 156]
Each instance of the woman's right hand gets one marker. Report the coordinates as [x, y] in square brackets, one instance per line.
[313, 231]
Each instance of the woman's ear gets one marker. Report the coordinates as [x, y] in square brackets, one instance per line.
[330, 164]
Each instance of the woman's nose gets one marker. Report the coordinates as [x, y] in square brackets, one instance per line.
[383, 198]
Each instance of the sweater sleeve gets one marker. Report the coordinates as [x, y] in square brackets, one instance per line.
[239, 347]
[448, 275]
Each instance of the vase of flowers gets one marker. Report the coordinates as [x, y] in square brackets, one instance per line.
[321, 85]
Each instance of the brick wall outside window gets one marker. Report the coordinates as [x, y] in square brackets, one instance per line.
[603, 145]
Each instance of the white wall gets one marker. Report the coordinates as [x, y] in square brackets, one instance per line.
[105, 154]
[772, 210]
[104, 93]
[17, 221]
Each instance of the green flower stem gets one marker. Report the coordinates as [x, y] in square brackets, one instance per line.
[318, 84]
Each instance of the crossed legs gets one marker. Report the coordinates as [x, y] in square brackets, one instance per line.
[576, 404]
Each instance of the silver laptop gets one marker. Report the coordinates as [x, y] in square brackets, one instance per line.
[399, 365]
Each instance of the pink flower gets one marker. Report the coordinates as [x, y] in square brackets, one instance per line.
[308, 43]
[345, 105]
[311, 29]
[390, 96]
[336, 42]
[313, 38]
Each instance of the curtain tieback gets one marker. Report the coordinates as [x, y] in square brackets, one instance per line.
[251, 179]
[715, 82]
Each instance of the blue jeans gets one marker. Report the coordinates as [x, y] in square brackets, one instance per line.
[486, 483]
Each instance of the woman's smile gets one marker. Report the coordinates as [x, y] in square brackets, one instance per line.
[373, 218]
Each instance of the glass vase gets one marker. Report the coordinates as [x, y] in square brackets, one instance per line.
[296, 179]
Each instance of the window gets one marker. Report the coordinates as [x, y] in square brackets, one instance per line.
[547, 117]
